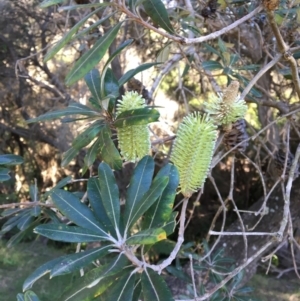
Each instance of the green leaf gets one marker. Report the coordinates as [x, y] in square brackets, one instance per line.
[140, 183]
[76, 261]
[76, 211]
[109, 152]
[4, 174]
[122, 289]
[136, 117]
[68, 156]
[35, 211]
[95, 199]
[92, 152]
[68, 36]
[40, 272]
[59, 185]
[147, 237]
[25, 221]
[31, 296]
[137, 291]
[110, 194]
[20, 297]
[131, 73]
[99, 278]
[61, 232]
[92, 57]
[139, 208]
[92, 80]
[105, 68]
[160, 212]
[87, 136]
[211, 65]
[47, 3]
[74, 108]
[154, 287]
[10, 160]
[111, 87]
[170, 225]
[156, 10]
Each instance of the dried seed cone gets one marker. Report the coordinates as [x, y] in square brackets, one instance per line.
[134, 141]
[279, 161]
[270, 4]
[236, 135]
[193, 150]
[136, 86]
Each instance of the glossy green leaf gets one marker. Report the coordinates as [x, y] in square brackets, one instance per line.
[92, 80]
[31, 296]
[80, 6]
[33, 192]
[10, 160]
[92, 153]
[92, 57]
[76, 211]
[68, 36]
[111, 86]
[61, 232]
[137, 291]
[13, 221]
[136, 117]
[211, 65]
[110, 194]
[96, 278]
[20, 297]
[156, 10]
[4, 174]
[95, 199]
[40, 272]
[147, 237]
[19, 236]
[140, 183]
[74, 108]
[36, 211]
[131, 73]
[25, 221]
[87, 136]
[122, 289]
[154, 287]
[76, 261]
[109, 152]
[170, 225]
[68, 156]
[139, 208]
[160, 211]
[47, 3]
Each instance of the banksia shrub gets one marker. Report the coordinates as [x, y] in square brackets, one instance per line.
[192, 151]
[229, 108]
[134, 140]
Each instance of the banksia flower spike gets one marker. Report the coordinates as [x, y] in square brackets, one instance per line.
[229, 108]
[134, 140]
[192, 151]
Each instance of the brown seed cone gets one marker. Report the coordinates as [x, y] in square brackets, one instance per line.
[270, 4]
[136, 86]
[279, 161]
[236, 135]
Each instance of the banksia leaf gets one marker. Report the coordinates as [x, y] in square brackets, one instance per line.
[229, 108]
[193, 150]
[134, 140]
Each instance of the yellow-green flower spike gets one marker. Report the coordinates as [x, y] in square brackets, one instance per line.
[229, 108]
[192, 151]
[134, 140]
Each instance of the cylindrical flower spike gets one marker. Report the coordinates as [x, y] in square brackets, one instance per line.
[229, 108]
[134, 140]
[192, 151]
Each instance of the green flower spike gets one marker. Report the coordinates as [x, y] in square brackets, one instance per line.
[192, 151]
[229, 108]
[134, 140]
